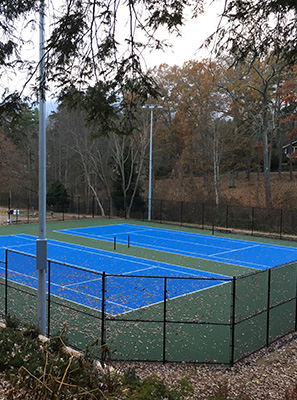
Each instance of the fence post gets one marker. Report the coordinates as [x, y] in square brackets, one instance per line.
[227, 217]
[181, 212]
[281, 224]
[6, 283]
[161, 212]
[296, 301]
[268, 307]
[232, 320]
[202, 221]
[164, 320]
[253, 215]
[49, 300]
[28, 212]
[103, 318]
[109, 199]
[93, 208]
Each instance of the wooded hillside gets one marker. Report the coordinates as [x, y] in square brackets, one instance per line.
[218, 133]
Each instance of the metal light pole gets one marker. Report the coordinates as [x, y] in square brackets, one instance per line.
[41, 242]
[151, 107]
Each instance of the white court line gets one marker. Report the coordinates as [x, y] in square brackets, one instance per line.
[97, 298]
[216, 238]
[250, 264]
[13, 247]
[108, 254]
[21, 274]
[80, 283]
[176, 297]
[176, 252]
[138, 231]
[209, 257]
[138, 270]
[103, 253]
[111, 255]
[214, 275]
[181, 241]
[232, 251]
[130, 259]
[66, 287]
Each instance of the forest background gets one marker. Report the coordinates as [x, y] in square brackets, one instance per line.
[225, 133]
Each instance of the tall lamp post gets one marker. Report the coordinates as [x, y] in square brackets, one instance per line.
[41, 242]
[151, 107]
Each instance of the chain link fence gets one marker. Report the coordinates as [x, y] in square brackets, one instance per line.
[278, 223]
[155, 318]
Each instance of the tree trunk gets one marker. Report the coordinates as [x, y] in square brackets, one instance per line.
[266, 160]
[216, 167]
[232, 183]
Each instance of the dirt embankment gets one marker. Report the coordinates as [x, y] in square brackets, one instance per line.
[245, 192]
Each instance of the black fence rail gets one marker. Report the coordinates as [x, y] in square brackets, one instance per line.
[279, 223]
[152, 318]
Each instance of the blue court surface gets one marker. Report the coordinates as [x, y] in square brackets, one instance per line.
[138, 285]
[231, 251]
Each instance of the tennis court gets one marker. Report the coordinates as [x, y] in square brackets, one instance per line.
[210, 318]
[83, 285]
[243, 253]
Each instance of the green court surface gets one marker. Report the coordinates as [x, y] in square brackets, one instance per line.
[194, 327]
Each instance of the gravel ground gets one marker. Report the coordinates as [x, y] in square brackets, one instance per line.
[270, 374]
[267, 375]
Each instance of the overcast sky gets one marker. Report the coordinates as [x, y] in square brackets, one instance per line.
[186, 47]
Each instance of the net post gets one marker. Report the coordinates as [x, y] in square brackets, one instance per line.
[164, 319]
[103, 318]
[114, 243]
[268, 306]
[128, 241]
[49, 300]
[232, 322]
[6, 283]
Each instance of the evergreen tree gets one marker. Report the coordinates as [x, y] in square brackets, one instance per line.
[58, 197]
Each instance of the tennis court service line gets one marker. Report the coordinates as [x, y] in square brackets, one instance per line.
[233, 251]
[119, 305]
[81, 282]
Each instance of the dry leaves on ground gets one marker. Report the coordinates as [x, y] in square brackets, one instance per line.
[267, 375]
